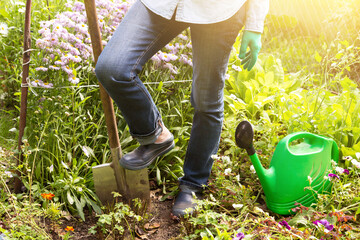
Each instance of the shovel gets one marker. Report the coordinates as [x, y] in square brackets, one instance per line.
[111, 177]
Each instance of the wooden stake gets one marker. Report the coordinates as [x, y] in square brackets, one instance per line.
[24, 92]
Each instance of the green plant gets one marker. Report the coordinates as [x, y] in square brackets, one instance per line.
[21, 218]
[218, 236]
[116, 221]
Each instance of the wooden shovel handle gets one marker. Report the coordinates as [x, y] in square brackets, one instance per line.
[108, 107]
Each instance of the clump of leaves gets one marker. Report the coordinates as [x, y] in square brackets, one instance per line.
[114, 222]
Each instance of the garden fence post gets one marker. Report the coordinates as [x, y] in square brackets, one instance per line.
[24, 93]
[130, 184]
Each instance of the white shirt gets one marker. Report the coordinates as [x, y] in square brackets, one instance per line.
[211, 11]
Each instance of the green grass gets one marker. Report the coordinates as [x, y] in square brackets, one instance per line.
[7, 122]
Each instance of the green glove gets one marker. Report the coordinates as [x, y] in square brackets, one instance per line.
[253, 41]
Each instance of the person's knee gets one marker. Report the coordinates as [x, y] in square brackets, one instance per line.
[108, 72]
[211, 109]
[207, 103]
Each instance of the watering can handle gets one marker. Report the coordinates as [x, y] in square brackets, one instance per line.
[335, 152]
[300, 135]
[307, 135]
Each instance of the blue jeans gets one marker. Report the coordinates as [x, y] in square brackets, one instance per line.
[139, 36]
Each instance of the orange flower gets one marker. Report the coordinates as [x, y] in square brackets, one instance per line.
[69, 228]
[47, 196]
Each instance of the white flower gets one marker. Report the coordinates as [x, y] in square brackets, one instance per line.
[9, 174]
[227, 171]
[237, 177]
[339, 170]
[333, 163]
[252, 169]
[51, 168]
[237, 206]
[355, 163]
[226, 159]
[74, 80]
[310, 179]
[357, 155]
[258, 210]
[41, 68]
[236, 68]
[4, 29]
[227, 76]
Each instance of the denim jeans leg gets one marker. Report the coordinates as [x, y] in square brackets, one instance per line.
[138, 37]
[212, 44]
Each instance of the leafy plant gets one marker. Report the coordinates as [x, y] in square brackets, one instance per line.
[116, 221]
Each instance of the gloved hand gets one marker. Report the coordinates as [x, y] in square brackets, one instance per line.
[253, 41]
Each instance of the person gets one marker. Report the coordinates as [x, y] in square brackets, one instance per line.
[146, 28]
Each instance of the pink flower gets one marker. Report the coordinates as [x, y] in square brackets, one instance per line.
[285, 224]
[54, 67]
[74, 80]
[47, 85]
[172, 68]
[37, 83]
[67, 69]
[239, 236]
[332, 175]
[183, 37]
[59, 62]
[185, 59]
[41, 68]
[325, 223]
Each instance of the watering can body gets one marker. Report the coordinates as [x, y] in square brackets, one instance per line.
[297, 157]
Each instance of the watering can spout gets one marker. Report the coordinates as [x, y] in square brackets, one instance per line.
[266, 176]
[244, 135]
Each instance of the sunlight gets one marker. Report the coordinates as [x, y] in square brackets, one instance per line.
[315, 14]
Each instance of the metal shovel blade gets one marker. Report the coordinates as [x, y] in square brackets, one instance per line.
[104, 182]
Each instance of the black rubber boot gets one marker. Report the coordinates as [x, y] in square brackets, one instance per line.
[185, 200]
[144, 155]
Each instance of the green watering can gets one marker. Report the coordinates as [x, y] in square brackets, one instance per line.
[296, 157]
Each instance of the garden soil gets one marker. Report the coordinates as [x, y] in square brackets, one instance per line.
[160, 225]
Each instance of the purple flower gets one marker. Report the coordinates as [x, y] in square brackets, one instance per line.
[285, 224]
[41, 68]
[325, 223]
[47, 85]
[37, 82]
[54, 67]
[333, 175]
[183, 37]
[74, 80]
[239, 236]
[346, 171]
[67, 69]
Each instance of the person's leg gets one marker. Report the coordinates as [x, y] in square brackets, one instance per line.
[138, 37]
[212, 45]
